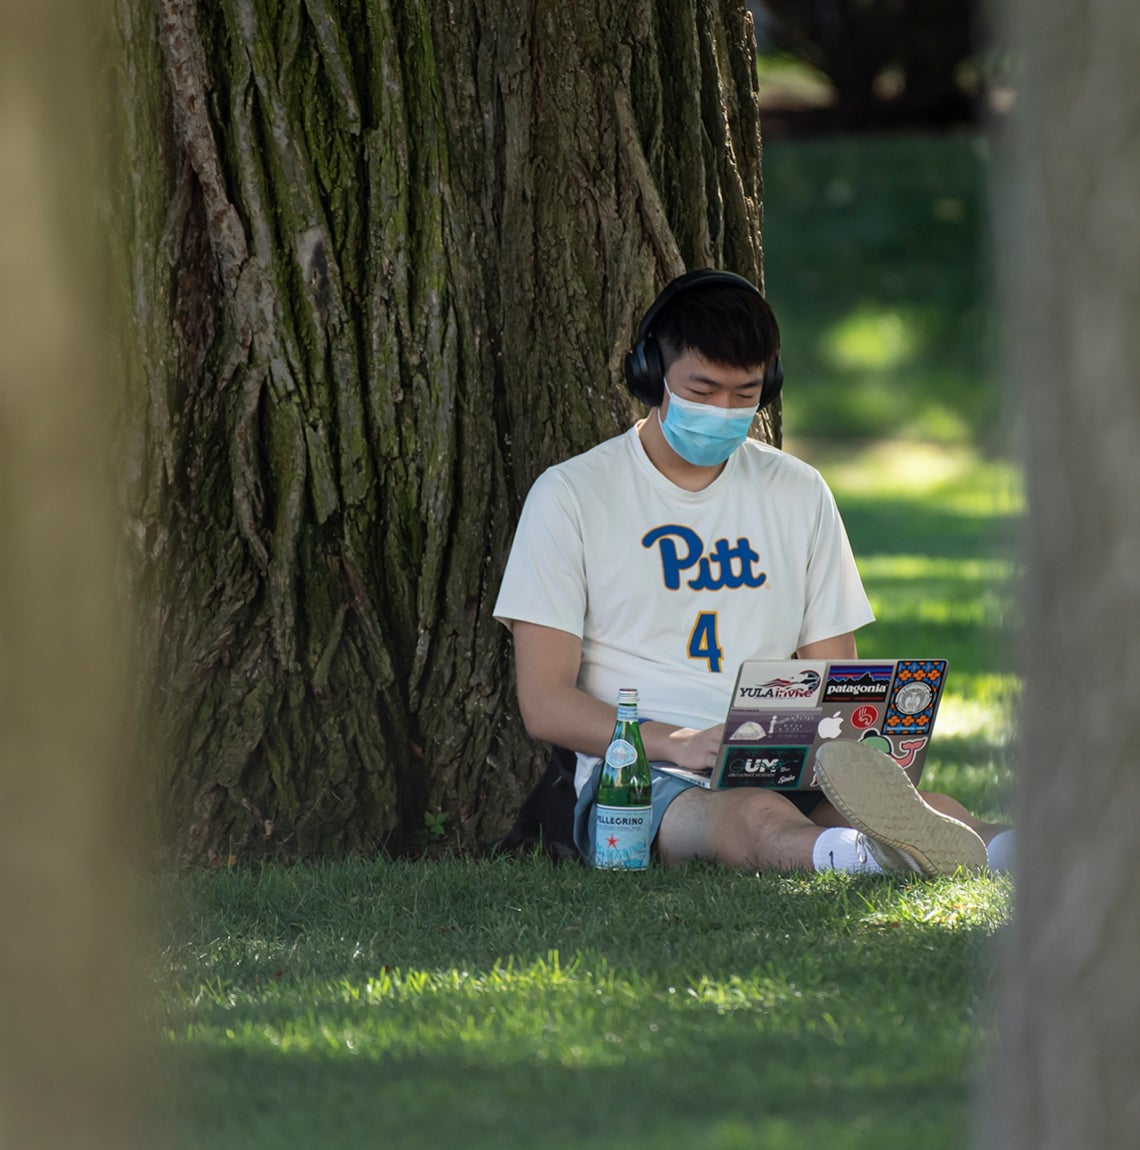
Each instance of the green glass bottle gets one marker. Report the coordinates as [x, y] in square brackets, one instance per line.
[623, 814]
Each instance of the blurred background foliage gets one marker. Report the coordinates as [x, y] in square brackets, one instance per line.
[877, 246]
[887, 63]
[878, 263]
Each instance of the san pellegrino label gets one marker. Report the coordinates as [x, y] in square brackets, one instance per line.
[623, 815]
[621, 837]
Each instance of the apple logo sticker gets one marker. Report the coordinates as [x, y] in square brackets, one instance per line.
[832, 727]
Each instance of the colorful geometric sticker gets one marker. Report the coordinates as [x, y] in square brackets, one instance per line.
[763, 766]
[914, 696]
[857, 684]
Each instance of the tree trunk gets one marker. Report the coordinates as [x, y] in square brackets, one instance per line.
[384, 259]
[1068, 1067]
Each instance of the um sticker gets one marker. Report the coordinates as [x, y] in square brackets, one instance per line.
[763, 766]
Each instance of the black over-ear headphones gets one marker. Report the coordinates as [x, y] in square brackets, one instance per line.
[645, 365]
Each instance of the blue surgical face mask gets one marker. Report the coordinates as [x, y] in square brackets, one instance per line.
[703, 434]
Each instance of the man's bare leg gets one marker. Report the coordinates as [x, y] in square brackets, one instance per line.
[756, 830]
[763, 830]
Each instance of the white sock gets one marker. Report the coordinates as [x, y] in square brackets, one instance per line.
[838, 848]
[1002, 851]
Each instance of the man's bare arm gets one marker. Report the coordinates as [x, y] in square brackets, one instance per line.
[837, 647]
[553, 708]
[556, 711]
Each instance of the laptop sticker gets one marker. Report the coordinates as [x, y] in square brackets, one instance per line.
[903, 751]
[864, 717]
[786, 727]
[858, 684]
[758, 689]
[914, 697]
[749, 731]
[763, 766]
[831, 726]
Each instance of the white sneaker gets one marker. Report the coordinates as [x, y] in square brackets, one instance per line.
[890, 860]
[902, 831]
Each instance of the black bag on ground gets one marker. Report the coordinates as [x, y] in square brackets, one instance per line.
[545, 821]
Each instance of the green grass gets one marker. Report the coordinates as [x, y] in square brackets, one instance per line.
[517, 1004]
[934, 530]
[877, 264]
[500, 1003]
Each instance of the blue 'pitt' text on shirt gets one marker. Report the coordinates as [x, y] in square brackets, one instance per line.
[725, 566]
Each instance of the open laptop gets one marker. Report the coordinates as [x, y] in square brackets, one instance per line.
[782, 712]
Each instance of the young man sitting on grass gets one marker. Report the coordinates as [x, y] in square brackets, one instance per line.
[664, 558]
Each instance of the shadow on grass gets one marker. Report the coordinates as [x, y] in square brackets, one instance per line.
[734, 1092]
[373, 1003]
[253, 934]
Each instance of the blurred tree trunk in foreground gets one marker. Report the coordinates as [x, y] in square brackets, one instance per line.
[1067, 1072]
[71, 1077]
[384, 258]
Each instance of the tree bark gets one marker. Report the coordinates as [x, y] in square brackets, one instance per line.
[383, 261]
[1068, 1067]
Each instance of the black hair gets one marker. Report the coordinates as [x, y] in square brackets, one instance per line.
[721, 323]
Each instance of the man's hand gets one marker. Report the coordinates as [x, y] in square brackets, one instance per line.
[694, 750]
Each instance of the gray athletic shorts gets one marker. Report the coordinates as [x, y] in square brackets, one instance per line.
[666, 788]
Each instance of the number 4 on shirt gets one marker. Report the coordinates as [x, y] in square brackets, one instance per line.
[703, 641]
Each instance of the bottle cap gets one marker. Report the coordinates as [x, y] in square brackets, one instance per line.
[627, 696]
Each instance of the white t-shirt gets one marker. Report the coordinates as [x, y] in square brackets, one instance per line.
[670, 590]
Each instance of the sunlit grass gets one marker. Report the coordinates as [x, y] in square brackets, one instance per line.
[963, 480]
[517, 1004]
[784, 78]
[963, 715]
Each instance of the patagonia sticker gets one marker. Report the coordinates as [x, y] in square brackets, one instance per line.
[858, 684]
